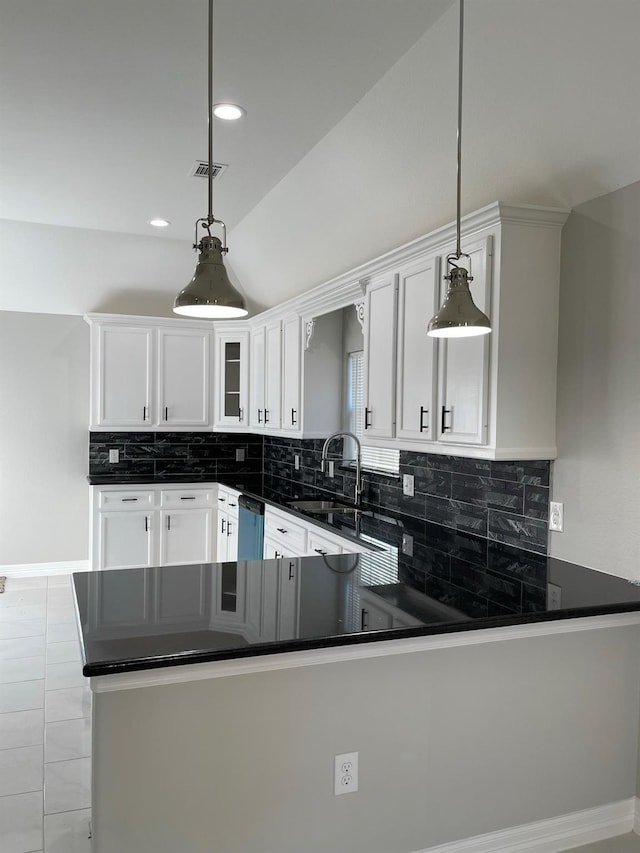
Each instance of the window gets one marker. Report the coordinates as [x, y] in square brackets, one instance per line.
[373, 458]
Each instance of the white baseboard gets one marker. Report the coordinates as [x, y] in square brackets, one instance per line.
[553, 835]
[24, 570]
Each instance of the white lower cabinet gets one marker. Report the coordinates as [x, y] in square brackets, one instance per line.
[126, 536]
[226, 525]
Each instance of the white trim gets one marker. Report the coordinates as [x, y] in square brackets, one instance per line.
[357, 651]
[552, 835]
[21, 570]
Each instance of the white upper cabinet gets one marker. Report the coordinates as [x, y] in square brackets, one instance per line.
[380, 356]
[183, 378]
[273, 376]
[416, 365]
[258, 343]
[232, 380]
[291, 370]
[464, 362]
[149, 375]
[122, 358]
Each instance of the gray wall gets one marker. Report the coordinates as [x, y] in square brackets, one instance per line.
[44, 411]
[597, 474]
[452, 743]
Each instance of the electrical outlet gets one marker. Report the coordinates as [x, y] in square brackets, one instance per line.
[345, 773]
[407, 544]
[554, 596]
[408, 485]
[240, 454]
[556, 516]
[296, 461]
[332, 468]
[114, 455]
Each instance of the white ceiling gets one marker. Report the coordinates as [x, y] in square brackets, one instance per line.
[348, 147]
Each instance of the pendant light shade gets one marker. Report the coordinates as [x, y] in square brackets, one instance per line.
[210, 294]
[459, 316]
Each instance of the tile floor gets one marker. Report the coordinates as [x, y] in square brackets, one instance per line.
[45, 721]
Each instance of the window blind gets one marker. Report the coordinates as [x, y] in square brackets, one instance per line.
[373, 458]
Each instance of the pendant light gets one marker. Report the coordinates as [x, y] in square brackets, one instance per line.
[459, 317]
[210, 294]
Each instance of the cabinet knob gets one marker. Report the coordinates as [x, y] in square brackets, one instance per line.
[423, 412]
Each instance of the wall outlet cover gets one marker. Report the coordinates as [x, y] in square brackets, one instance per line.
[240, 454]
[296, 461]
[114, 455]
[556, 516]
[407, 544]
[345, 773]
[408, 481]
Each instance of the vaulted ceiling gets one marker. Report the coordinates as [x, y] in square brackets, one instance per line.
[348, 146]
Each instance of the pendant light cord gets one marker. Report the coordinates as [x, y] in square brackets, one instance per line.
[459, 164]
[210, 218]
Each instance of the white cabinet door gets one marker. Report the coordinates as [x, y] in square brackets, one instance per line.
[125, 539]
[416, 399]
[232, 379]
[258, 351]
[186, 536]
[464, 363]
[183, 378]
[232, 537]
[273, 376]
[122, 364]
[380, 357]
[291, 364]
[222, 540]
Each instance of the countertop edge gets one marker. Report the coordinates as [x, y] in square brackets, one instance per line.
[269, 662]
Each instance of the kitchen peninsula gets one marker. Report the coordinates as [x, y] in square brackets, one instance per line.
[215, 725]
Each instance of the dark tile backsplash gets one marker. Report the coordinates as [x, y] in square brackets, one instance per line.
[164, 456]
[504, 502]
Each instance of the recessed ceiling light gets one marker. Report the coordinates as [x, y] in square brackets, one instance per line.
[228, 112]
[159, 223]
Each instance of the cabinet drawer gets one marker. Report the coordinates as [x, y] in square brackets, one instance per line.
[129, 499]
[281, 527]
[186, 498]
[228, 501]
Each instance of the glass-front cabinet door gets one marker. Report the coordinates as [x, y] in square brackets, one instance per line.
[232, 374]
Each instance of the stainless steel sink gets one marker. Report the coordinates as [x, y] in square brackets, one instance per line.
[323, 506]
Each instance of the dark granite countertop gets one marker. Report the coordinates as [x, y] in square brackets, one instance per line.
[424, 579]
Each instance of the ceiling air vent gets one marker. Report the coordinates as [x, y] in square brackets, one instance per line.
[201, 169]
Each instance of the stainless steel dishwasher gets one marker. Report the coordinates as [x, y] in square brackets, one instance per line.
[250, 528]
